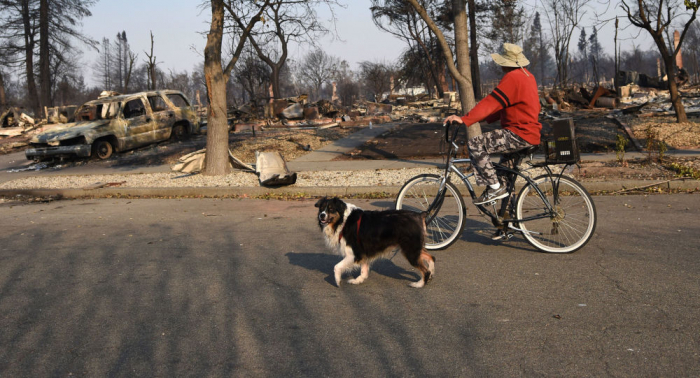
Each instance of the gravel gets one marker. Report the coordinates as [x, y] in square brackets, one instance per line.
[379, 178]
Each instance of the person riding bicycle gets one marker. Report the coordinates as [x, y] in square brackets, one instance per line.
[515, 102]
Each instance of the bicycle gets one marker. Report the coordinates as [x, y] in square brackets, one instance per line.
[553, 212]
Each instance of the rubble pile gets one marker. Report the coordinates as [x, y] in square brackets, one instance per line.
[298, 112]
[641, 95]
[16, 127]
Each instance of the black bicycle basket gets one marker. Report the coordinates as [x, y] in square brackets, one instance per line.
[560, 147]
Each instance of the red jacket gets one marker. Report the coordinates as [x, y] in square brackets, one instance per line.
[516, 102]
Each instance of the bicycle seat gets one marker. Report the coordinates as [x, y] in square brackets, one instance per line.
[527, 151]
[519, 154]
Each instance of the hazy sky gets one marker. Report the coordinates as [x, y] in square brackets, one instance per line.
[179, 29]
[179, 26]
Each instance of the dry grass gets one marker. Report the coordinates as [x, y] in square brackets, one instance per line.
[675, 135]
[290, 143]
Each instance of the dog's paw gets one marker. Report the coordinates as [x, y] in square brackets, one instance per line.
[356, 281]
[417, 284]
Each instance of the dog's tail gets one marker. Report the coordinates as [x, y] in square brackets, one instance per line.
[428, 260]
[423, 216]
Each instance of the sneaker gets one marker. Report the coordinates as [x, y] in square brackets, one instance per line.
[498, 235]
[490, 195]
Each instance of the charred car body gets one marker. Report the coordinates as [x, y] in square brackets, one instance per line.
[118, 123]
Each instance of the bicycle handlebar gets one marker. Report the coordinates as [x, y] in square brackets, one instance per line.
[447, 131]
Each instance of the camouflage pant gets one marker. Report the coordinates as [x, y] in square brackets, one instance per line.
[480, 147]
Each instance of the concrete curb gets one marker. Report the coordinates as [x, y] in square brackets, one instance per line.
[592, 186]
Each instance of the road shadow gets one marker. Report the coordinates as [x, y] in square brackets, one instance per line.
[324, 263]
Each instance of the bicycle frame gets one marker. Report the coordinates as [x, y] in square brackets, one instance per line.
[497, 217]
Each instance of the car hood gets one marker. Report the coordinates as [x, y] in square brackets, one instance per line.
[69, 131]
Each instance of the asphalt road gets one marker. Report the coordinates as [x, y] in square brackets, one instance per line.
[243, 288]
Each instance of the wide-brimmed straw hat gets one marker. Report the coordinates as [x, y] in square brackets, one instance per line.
[512, 56]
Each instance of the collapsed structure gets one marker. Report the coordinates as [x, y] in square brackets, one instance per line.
[637, 94]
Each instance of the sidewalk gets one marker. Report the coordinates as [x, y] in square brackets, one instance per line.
[322, 160]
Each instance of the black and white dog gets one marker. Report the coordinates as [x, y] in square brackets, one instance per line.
[362, 236]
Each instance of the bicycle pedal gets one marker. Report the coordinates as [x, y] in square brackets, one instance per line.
[502, 236]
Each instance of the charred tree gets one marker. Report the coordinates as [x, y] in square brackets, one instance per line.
[403, 22]
[655, 17]
[462, 71]
[292, 21]
[216, 76]
[44, 54]
[29, 45]
[151, 64]
[217, 126]
[563, 17]
[474, 50]
[376, 77]
[317, 68]
[3, 96]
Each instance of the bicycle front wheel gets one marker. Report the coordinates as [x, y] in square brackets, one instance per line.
[446, 220]
[569, 227]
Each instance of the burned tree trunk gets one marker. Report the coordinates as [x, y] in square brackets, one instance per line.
[217, 126]
[29, 43]
[466, 86]
[275, 80]
[44, 54]
[676, 100]
[152, 66]
[127, 79]
[3, 97]
[474, 50]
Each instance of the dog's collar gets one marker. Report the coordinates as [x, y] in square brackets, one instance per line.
[340, 236]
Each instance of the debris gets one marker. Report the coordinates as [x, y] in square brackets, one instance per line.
[637, 144]
[190, 163]
[377, 108]
[60, 114]
[646, 186]
[634, 109]
[33, 167]
[11, 131]
[293, 111]
[194, 162]
[237, 163]
[99, 185]
[105, 94]
[310, 113]
[272, 169]
[607, 102]
[15, 118]
[601, 92]
[328, 126]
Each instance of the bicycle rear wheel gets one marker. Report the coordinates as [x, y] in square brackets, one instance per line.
[446, 222]
[569, 227]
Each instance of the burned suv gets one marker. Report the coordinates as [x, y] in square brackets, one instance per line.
[118, 123]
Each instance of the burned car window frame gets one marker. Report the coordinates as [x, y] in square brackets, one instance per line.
[130, 114]
[180, 98]
[153, 101]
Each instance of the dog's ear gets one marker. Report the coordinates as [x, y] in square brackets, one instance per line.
[340, 206]
[319, 202]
